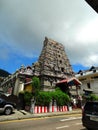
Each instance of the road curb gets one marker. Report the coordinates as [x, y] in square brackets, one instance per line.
[19, 115]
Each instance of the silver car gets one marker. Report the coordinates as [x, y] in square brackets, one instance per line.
[6, 107]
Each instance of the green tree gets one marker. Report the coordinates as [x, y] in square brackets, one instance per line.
[27, 97]
[90, 97]
[93, 97]
[61, 97]
[35, 85]
[43, 98]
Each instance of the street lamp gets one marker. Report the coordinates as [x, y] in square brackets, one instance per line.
[93, 4]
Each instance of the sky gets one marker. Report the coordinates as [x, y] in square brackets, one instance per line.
[25, 23]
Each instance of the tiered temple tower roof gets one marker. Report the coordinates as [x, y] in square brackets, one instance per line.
[53, 61]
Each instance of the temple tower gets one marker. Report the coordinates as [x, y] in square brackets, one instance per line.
[54, 63]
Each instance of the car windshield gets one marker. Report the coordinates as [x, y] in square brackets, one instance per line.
[91, 106]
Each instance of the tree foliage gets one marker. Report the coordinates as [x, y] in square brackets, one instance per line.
[90, 97]
[93, 97]
[43, 98]
[60, 97]
[35, 85]
[27, 97]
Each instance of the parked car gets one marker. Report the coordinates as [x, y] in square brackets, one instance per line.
[6, 107]
[90, 115]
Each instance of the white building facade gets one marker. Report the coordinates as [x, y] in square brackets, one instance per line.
[89, 80]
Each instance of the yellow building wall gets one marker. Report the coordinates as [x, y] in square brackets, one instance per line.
[28, 88]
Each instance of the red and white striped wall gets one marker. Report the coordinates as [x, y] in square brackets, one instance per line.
[45, 109]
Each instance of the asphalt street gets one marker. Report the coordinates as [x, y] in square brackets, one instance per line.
[60, 122]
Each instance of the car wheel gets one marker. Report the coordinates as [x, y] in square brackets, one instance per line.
[8, 111]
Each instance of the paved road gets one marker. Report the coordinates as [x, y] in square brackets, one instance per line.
[45, 123]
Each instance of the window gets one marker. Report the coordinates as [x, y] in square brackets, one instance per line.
[62, 69]
[60, 62]
[59, 55]
[88, 85]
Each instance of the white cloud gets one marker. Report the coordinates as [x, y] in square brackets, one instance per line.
[92, 59]
[88, 33]
[25, 23]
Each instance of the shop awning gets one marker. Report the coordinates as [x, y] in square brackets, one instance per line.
[62, 81]
[70, 81]
[74, 81]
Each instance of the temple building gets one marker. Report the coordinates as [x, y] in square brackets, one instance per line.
[54, 63]
[52, 66]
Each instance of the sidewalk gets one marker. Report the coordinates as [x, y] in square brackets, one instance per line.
[19, 115]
